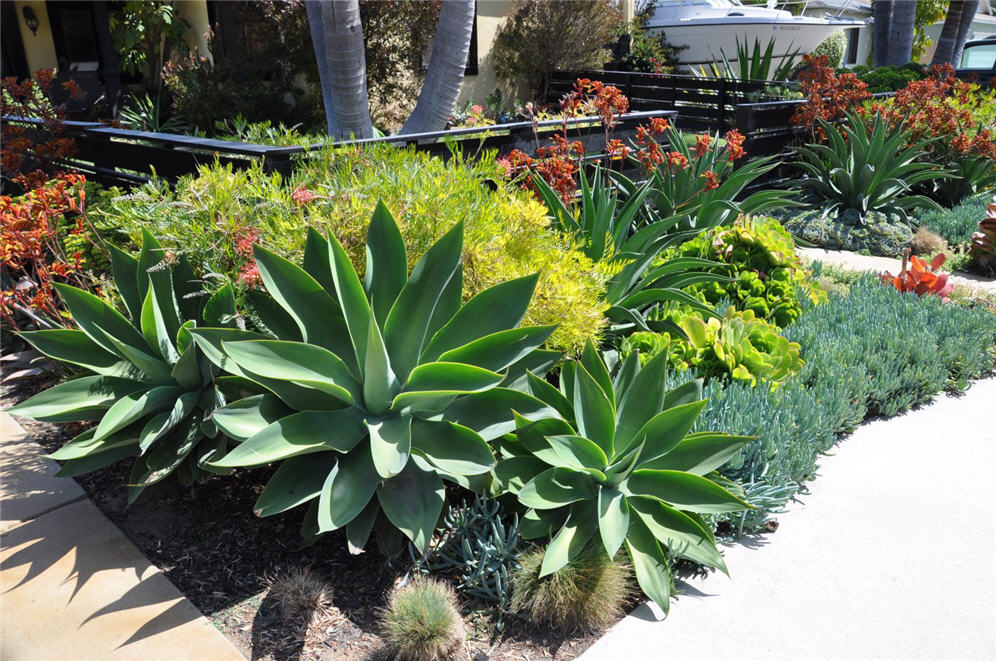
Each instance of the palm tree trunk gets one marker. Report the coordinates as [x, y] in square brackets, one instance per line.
[344, 79]
[900, 49]
[314, 11]
[882, 14]
[446, 66]
[968, 10]
[949, 33]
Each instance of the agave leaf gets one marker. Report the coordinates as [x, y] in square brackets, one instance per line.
[565, 546]
[649, 563]
[75, 347]
[296, 434]
[296, 481]
[683, 491]
[450, 448]
[347, 491]
[412, 501]
[555, 488]
[247, 417]
[406, 330]
[699, 454]
[613, 519]
[390, 443]
[678, 532]
[84, 398]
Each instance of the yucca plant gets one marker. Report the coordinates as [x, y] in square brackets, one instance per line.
[377, 388]
[150, 389]
[608, 231]
[864, 169]
[620, 468]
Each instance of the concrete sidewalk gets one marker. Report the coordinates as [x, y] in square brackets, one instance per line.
[891, 556]
[878, 264]
[72, 586]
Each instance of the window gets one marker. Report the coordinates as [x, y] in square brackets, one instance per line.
[979, 56]
[851, 56]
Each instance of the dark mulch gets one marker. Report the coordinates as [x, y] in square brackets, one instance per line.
[209, 544]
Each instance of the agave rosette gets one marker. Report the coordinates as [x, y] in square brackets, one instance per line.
[377, 389]
[151, 390]
[618, 467]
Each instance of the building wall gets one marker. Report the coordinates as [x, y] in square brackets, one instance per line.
[490, 15]
[39, 49]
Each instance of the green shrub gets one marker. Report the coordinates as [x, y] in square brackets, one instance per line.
[833, 47]
[767, 277]
[876, 233]
[587, 594]
[957, 225]
[889, 78]
[871, 352]
[421, 621]
[375, 390]
[153, 393]
[736, 346]
[619, 469]
[506, 231]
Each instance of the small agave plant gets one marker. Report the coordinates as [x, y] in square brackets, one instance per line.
[150, 389]
[619, 468]
[377, 389]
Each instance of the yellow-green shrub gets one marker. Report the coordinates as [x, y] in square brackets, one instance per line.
[506, 230]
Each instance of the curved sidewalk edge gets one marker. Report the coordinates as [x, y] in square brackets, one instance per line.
[891, 556]
[72, 586]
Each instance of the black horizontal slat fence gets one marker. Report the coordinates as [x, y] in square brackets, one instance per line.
[116, 156]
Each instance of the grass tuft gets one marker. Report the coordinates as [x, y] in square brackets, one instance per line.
[587, 594]
[300, 594]
[421, 621]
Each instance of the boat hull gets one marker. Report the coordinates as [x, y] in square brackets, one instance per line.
[708, 41]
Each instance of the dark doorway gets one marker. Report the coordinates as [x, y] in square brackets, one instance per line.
[74, 31]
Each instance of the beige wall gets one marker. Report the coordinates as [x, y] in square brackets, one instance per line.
[39, 49]
[490, 14]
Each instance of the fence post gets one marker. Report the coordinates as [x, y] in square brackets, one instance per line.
[721, 115]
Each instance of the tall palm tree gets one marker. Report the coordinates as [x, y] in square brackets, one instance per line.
[337, 36]
[882, 16]
[900, 47]
[447, 63]
[968, 10]
[954, 32]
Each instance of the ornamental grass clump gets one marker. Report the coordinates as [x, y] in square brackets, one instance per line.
[585, 595]
[618, 469]
[375, 390]
[421, 621]
[152, 392]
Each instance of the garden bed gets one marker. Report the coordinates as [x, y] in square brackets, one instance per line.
[222, 557]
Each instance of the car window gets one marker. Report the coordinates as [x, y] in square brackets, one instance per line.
[981, 56]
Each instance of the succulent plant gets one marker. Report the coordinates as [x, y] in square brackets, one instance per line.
[377, 388]
[619, 468]
[150, 388]
[921, 278]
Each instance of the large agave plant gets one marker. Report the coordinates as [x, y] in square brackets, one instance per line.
[152, 391]
[377, 388]
[619, 467]
[863, 171]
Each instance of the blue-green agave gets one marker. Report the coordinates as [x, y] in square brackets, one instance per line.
[619, 468]
[378, 388]
[151, 390]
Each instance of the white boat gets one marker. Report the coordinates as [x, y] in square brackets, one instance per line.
[711, 28]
